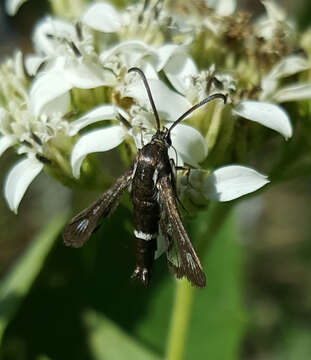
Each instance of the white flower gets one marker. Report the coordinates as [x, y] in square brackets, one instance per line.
[196, 86]
[286, 67]
[223, 184]
[274, 21]
[69, 59]
[271, 83]
[187, 141]
[29, 134]
[135, 22]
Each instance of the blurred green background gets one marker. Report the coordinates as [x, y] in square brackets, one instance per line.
[62, 303]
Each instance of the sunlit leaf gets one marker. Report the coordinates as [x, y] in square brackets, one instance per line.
[15, 286]
[107, 341]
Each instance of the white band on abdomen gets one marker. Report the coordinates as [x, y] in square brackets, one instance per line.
[144, 236]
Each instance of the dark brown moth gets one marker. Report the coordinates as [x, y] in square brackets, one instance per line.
[153, 192]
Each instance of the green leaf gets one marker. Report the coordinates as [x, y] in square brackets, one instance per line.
[16, 284]
[219, 320]
[108, 342]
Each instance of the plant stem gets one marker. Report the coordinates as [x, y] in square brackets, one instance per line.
[180, 320]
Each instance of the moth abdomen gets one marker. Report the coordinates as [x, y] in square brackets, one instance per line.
[145, 250]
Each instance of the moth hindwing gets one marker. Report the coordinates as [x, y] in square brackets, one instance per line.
[154, 198]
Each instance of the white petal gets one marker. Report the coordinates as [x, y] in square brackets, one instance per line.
[164, 53]
[189, 143]
[175, 156]
[294, 92]
[47, 87]
[178, 69]
[58, 29]
[274, 11]
[103, 112]
[267, 114]
[18, 180]
[222, 7]
[32, 63]
[168, 102]
[59, 105]
[102, 17]
[95, 141]
[289, 66]
[11, 6]
[5, 143]
[230, 182]
[148, 69]
[133, 51]
[85, 75]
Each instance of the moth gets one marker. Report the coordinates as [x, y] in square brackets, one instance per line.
[152, 183]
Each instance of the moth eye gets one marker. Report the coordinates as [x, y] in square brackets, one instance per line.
[82, 226]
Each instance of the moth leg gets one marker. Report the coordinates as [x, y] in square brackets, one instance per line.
[173, 178]
[182, 168]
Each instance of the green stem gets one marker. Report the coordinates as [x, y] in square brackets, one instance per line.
[204, 232]
[180, 320]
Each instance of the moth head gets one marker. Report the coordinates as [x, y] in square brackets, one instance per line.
[163, 136]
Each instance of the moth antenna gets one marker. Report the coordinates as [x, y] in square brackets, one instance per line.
[194, 107]
[142, 75]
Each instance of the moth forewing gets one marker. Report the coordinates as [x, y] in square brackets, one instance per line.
[187, 262]
[81, 227]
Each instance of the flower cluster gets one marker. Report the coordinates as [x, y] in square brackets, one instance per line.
[74, 96]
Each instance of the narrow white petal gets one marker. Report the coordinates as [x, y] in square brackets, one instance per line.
[148, 69]
[230, 182]
[47, 87]
[175, 156]
[103, 112]
[274, 11]
[58, 29]
[169, 103]
[267, 114]
[12, 6]
[102, 17]
[178, 69]
[189, 143]
[289, 66]
[18, 180]
[164, 53]
[294, 92]
[222, 7]
[59, 105]
[95, 141]
[5, 143]
[33, 63]
[133, 51]
[85, 75]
